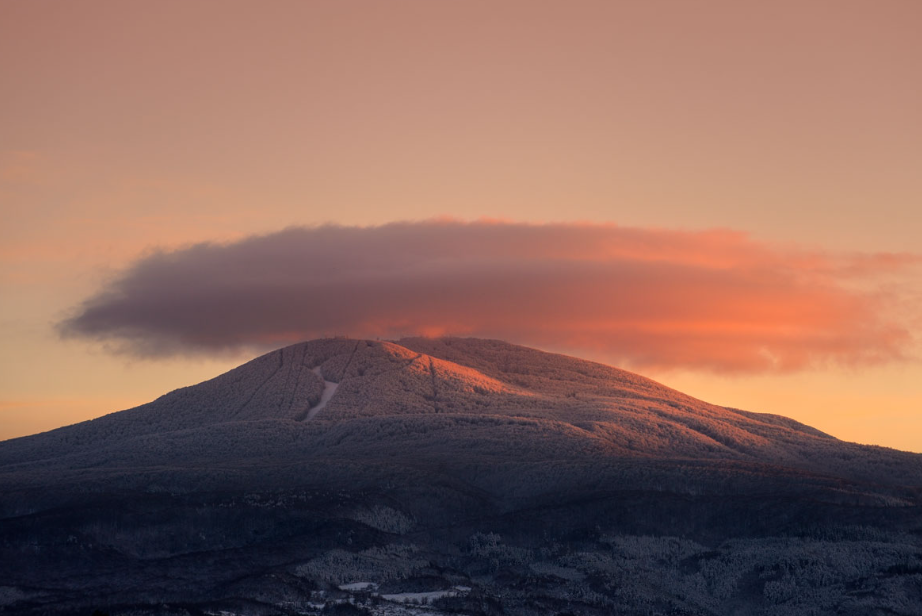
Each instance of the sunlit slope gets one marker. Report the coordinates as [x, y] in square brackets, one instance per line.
[486, 414]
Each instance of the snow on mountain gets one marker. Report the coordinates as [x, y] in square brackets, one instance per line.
[457, 401]
[542, 483]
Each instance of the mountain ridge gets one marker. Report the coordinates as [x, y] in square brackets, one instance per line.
[471, 383]
[543, 484]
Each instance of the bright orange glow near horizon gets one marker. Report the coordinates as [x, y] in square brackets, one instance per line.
[775, 145]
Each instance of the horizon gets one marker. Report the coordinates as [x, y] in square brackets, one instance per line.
[721, 198]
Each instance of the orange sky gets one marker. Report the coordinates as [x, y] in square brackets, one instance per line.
[130, 126]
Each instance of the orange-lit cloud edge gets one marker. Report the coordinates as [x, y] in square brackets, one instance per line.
[646, 298]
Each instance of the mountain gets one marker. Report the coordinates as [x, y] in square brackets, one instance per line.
[481, 476]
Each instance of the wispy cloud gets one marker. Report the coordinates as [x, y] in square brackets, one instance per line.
[712, 300]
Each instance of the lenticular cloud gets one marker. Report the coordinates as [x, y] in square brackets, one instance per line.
[712, 300]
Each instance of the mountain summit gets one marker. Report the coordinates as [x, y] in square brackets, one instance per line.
[337, 462]
[456, 399]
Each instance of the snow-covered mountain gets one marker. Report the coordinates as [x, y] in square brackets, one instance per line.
[357, 445]
[460, 401]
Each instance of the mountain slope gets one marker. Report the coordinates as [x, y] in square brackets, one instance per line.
[546, 484]
[445, 397]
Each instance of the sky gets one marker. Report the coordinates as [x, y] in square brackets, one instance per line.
[724, 196]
